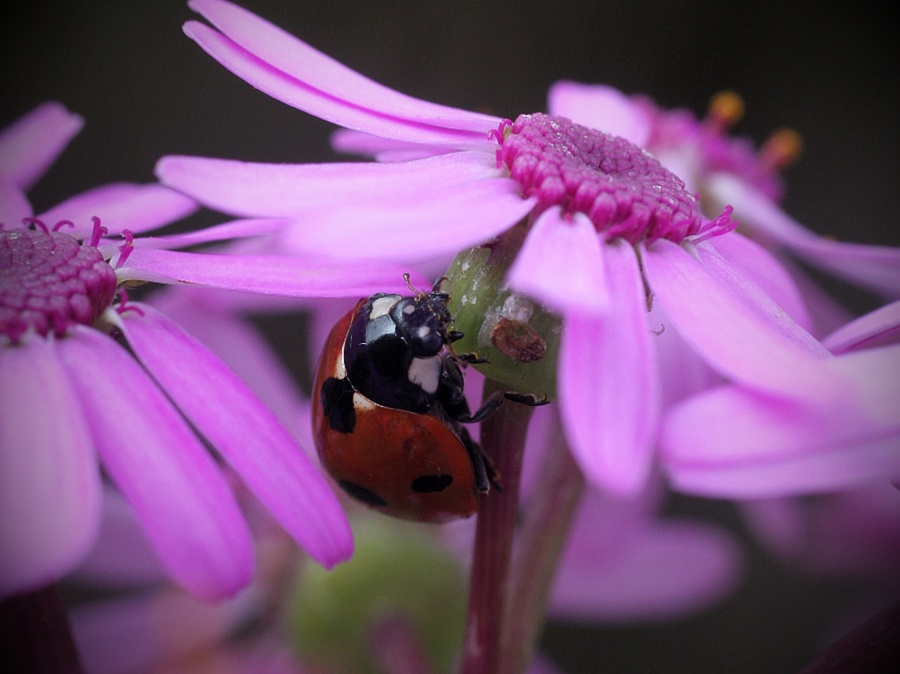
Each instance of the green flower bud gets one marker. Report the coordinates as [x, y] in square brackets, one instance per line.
[516, 335]
[398, 570]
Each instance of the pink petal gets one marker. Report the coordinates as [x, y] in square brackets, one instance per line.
[266, 274]
[291, 71]
[178, 493]
[561, 264]
[877, 328]
[648, 571]
[600, 107]
[120, 206]
[738, 443]
[873, 267]
[49, 478]
[762, 268]
[383, 149]
[30, 145]
[14, 205]
[609, 383]
[284, 190]
[237, 229]
[245, 432]
[436, 223]
[734, 326]
[122, 557]
[141, 634]
[242, 347]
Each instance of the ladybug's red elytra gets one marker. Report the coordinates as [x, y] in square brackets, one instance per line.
[388, 409]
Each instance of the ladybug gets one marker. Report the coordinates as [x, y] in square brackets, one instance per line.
[388, 408]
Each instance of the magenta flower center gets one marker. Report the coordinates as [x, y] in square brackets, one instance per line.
[49, 281]
[624, 191]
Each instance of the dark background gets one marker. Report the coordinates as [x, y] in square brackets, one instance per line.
[146, 90]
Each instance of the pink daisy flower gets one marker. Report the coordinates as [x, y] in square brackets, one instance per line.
[725, 169]
[756, 444]
[72, 395]
[609, 232]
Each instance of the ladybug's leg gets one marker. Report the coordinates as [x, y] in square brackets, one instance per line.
[485, 473]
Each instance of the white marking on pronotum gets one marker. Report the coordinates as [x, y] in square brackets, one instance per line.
[426, 372]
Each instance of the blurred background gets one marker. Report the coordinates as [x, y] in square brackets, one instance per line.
[145, 90]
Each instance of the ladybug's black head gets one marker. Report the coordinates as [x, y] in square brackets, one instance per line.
[422, 322]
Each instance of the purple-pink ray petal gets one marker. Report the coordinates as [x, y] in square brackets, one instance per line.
[49, 478]
[30, 145]
[600, 107]
[561, 264]
[14, 205]
[740, 443]
[284, 190]
[651, 570]
[120, 206]
[246, 351]
[283, 275]
[877, 328]
[236, 229]
[766, 271]
[734, 326]
[383, 149]
[143, 633]
[609, 383]
[437, 223]
[873, 267]
[244, 431]
[179, 495]
[122, 556]
[291, 71]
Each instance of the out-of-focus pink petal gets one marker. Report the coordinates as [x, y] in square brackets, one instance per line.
[14, 205]
[561, 264]
[600, 107]
[285, 190]
[119, 206]
[30, 145]
[649, 571]
[245, 432]
[178, 494]
[139, 634]
[827, 314]
[767, 272]
[873, 267]
[877, 328]
[608, 381]
[736, 327]
[739, 443]
[49, 478]
[122, 556]
[266, 274]
[439, 222]
[291, 71]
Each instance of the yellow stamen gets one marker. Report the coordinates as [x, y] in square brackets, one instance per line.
[725, 109]
[781, 149]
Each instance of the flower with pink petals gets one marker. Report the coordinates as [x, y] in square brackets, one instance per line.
[602, 232]
[755, 444]
[73, 395]
[726, 169]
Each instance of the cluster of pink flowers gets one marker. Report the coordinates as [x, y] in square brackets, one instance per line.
[693, 354]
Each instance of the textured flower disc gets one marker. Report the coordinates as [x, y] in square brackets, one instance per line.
[623, 190]
[49, 281]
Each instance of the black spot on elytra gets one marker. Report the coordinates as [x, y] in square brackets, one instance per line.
[337, 404]
[362, 494]
[427, 484]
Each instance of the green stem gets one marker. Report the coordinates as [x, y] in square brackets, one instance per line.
[543, 533]
[35, 634]
[503, 439]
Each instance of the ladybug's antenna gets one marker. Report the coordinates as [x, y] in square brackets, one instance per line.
[412, 288]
